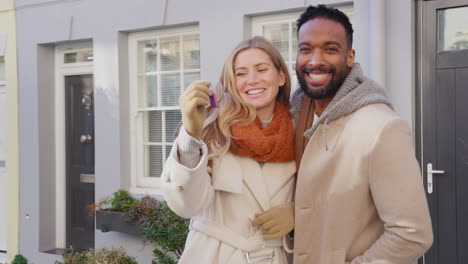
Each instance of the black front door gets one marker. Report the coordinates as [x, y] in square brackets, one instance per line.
[80, 160]
[444, 147]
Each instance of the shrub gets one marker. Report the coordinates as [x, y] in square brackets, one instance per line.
[19, 259]
[162, 227]
[98, 256]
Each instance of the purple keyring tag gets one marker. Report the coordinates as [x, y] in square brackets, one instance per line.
[213, 100]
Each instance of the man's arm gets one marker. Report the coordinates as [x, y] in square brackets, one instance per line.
[397, 189]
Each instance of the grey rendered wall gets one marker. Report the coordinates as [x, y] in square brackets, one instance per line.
[222, 24]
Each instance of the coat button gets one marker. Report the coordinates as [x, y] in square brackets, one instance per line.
[180, 188]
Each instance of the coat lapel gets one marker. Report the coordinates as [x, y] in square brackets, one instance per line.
[254, 179]
[227, 174]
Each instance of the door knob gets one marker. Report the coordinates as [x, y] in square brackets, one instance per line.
[430, 172]
[85, 139]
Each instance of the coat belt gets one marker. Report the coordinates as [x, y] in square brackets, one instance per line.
[230, 237]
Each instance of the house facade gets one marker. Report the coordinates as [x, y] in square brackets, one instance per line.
[99, 83]
[9, 166]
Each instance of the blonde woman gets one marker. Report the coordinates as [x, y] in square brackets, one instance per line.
[232, 169]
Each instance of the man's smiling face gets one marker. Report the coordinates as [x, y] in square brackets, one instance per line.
[324, 58]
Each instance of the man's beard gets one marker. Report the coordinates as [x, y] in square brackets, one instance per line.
[332, 87]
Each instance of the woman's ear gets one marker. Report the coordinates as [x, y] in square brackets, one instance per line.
[282, 78]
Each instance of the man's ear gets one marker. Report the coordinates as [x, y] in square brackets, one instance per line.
[350, 58]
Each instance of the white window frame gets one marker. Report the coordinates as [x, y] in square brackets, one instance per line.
[62, 70]
[258, 22]
[140, 183]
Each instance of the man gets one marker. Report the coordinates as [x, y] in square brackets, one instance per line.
[359, 194]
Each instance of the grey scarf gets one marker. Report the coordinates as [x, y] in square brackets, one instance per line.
[357, 91]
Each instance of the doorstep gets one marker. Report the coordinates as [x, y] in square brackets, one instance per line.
[3, 257]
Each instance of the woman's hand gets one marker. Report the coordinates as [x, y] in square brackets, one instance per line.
[276, 222]
[193, 103]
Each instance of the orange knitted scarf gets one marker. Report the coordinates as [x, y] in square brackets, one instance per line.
[274, 143]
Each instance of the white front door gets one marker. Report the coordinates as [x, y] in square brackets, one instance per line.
[3, 176]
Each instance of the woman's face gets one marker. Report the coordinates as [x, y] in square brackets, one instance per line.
[258, 80]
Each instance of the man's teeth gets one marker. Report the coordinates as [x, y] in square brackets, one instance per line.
[255, 91]
[318, 76]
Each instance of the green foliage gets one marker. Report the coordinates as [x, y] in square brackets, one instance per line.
[19, 259]
[161, 226]
[121, 201]
[165, 229]
[98, 256]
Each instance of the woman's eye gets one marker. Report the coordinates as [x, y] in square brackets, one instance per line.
[240, 74]
[262, 69]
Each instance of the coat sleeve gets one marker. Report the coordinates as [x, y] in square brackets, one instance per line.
[188, 191]
[398, 193]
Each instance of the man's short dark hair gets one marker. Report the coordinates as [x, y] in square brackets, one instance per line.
[321, 11]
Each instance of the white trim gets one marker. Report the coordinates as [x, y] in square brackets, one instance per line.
[61, 71]
[139, 183]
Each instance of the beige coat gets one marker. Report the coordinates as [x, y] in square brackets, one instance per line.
[221, 205]
[362, 200]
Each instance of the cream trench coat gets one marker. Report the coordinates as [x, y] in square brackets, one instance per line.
[359, 195]
[221, 206]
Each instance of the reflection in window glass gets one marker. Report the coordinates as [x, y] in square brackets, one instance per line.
[2, 68]
[77, 57]
[453, 29]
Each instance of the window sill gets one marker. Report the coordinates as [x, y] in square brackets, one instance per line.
[154, 192]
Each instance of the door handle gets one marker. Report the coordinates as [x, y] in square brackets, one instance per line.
[430, 172]
[85, 139]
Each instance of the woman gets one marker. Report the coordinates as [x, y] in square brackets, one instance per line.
[232, 168]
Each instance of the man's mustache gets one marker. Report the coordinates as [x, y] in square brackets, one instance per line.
[319, 69]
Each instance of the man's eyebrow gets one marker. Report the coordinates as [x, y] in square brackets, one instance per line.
[304, 43]
[332, 43]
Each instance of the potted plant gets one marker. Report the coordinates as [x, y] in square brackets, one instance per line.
[113, 214]
[147, 217]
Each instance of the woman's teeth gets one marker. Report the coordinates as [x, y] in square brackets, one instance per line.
[256, 91]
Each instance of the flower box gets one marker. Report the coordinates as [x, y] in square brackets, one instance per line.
[116, 221]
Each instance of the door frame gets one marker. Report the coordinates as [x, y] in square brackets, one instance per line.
[61, 71]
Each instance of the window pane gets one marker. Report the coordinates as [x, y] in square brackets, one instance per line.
[173, 119]
[76, 57]
[154, 161]
[2, 68]
[148, 93]
[153, 128]
[170, 89]
[294, 41]
[278, 34]
[190, 77]
[170, 55]
[191, 52]
[147, 56]
[453, 28]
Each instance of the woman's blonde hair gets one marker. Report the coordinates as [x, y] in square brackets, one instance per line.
[232, 109]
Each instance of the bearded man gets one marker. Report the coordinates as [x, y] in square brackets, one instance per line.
[359, 194]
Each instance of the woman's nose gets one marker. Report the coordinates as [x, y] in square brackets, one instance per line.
[252, 78]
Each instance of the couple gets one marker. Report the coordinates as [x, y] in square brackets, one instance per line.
[358, 196]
